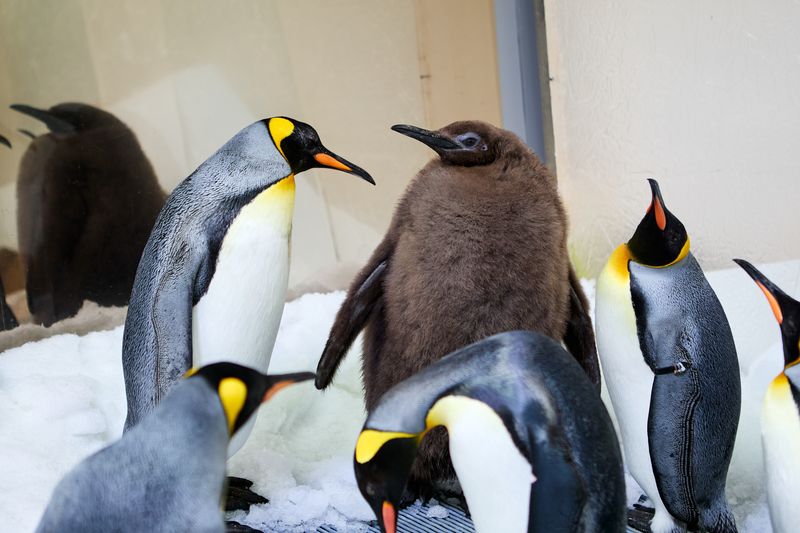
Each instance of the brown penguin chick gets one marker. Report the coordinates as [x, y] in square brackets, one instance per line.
[87, 199]
[477, 246]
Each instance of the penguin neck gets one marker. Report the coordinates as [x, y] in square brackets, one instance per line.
[618, 262]
[483, 452]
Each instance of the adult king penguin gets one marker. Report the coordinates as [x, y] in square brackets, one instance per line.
[672, 373]
[530, 439]
[87, 198]
[212, 279]
[477, 246]
[168, 473]
[780, 416]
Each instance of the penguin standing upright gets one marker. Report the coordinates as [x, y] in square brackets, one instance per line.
[87, 198]
[780, 415]
[477, 245]
[168, 473]
[530, 439]
[213, 275]
[670, 364]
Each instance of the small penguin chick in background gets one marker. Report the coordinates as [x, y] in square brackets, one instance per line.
[531, 441]
[87, 198]
[477, 246]
[780, 415]
[168, 473]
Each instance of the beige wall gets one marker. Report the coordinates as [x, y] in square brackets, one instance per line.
[186, 75]
[701, 95]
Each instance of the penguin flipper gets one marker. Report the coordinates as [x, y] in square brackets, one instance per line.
[579, 337]
[365, 291]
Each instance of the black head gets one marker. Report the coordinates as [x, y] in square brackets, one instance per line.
[242, 390]
[466, 143]
[660, 239]
[786, 310]
[70, 118]
[302, 149]
[382, 464]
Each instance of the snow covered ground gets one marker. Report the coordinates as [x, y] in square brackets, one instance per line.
[62, 398]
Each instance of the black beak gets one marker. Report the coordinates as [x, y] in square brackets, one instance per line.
[327, 159]
[281, 381]
[432, 139]
[5, 141]
[53, 123]
[656, 190]
[776, 297]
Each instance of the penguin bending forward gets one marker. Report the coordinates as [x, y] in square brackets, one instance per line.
[780, 415]
[672, 372]
[477, 246]
[212, 279]
[532, 444]
[168, 473]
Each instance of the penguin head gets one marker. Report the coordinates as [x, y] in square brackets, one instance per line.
[660, 239]
[242, 390]
[382, 464]
[299, 144]
[465, 143]
[5, 141]
[71, 118]
[786, 310]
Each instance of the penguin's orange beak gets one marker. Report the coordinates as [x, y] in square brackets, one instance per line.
[389, 515]
[327, 159]
[279, 382]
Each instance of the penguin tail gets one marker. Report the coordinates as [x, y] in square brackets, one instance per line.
[718, 519]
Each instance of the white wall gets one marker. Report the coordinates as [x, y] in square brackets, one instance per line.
[187, 74]
[701, 95]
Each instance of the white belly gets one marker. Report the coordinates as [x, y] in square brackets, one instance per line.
[780, 432]
[629, 380]
[237, 319]
[495, 477]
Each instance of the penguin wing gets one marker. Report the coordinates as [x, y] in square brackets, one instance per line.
[365, 291]
[172, 324]
[579, 336]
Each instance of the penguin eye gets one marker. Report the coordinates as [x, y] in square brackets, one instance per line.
[470, 140]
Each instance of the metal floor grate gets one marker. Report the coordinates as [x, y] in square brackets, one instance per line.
[414, 519]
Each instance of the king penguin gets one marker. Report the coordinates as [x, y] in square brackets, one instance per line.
[212, 279]
[780, 415]
[672, 372]
[168, 473]
[477, 246]
[531, 441]
[87, 198]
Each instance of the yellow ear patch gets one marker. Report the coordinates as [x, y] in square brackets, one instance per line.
[279, 129]
[371, 441]
[232, 394]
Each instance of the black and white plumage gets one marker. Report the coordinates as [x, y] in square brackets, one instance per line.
[531, 442]
[168, 473]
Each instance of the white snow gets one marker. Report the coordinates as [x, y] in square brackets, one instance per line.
[63, 398]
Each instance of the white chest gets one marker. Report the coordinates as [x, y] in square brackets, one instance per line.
[238, 317]
[780, 432]
[629, 379]
[495, 476]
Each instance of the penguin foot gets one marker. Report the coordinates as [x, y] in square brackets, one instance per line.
[240, 497]
[236, 527]
[639, 518]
